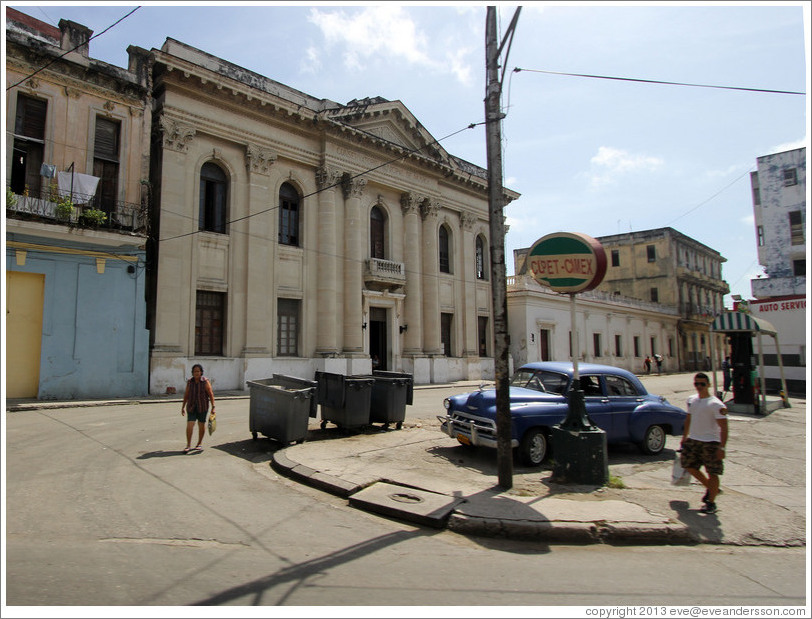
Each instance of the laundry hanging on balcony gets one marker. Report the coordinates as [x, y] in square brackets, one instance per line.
[80, 188]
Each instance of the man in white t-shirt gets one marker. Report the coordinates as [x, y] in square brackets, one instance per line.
[704, 440]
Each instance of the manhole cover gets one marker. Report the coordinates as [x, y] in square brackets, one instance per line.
[401, 497]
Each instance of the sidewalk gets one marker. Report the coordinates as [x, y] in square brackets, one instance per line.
[419, 475]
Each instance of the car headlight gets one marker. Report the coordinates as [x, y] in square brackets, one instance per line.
[447, 403]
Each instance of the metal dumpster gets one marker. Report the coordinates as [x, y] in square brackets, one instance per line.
[280, 407]
[344, 400]
[391, 393]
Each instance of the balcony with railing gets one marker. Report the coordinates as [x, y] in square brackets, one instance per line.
[384, 274]
[77, 210]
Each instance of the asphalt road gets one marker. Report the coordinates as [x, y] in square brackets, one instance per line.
[103, 509]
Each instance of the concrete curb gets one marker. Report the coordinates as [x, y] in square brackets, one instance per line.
[557, 531]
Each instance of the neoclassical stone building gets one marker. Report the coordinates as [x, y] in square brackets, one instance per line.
[296, 234]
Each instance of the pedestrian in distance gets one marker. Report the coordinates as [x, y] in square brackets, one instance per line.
[196, 401]
[704, 439]
[659, 359]
[726, 373]
[647, 364]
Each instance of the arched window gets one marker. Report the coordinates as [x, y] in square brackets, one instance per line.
[288, 215]
[213, 198]
[445, 249]
[377, 233]
[481, 267]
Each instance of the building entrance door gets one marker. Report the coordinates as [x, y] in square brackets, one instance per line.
[544, 344]
[378, 348]
[25, 294]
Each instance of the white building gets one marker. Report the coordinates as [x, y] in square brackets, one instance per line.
[612, 330]
[779, 207]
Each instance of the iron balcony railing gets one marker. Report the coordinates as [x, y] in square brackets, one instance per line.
[82, 211]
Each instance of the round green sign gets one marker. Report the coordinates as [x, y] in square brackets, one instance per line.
[567, 262]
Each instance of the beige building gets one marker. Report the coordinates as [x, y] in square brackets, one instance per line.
[76, 167]
[666, 267]
[297, 234]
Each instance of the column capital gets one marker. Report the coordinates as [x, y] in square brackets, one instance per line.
[176, 136]
[352, 187]
[409, 203]
[468, 220]
[429, 208]
[327, 177]
[259, 159]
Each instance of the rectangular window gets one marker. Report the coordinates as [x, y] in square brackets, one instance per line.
[446, 321]
[636, 345]
[760, 234]
[653, 342]
[615, 258]
[790, 177]
[209, 321]
[670, 346]
[106, 163]
[29, 144]
[596, 344]
[618, 346]
[799, 268]
[287, 331]
[655, 295]
[796, 227]
[482, 335]
[650, 253]
[755, 188]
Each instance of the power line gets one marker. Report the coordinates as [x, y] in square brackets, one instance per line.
[630, 79]
[73, 50]
[730, 184]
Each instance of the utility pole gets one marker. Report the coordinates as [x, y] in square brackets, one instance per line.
[496, 199]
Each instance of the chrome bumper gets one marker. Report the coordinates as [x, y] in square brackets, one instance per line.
[465, 430]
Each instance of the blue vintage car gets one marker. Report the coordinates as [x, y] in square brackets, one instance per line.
[616, 401]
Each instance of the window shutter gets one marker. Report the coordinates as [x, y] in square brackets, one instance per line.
[106, 144]
[30, 120]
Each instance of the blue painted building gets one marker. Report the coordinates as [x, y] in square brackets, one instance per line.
[94, 342]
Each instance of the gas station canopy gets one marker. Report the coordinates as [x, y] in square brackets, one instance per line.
[737, 321]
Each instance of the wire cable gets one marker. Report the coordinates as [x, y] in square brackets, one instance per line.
[630, 79]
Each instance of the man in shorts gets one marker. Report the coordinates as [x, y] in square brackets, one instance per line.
[704, 440]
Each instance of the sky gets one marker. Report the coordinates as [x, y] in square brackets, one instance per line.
[591, 155]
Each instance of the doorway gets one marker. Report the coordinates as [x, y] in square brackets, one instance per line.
[378, 348]
[544, 344]
[25, 295]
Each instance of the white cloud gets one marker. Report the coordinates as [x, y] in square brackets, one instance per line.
[609, 163]
[386, 31]
[311, 62]
[788, 146]
[748, 219]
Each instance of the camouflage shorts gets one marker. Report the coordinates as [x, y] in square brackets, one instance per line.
[696, 454]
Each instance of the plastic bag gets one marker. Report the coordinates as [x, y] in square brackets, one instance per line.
[212, 423]
[679, 476]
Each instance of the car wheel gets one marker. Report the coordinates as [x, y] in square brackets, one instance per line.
[533, 448]
[653, 440]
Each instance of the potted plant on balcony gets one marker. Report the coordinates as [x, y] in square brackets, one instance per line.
[64, 209]
[11, 199]
[92, 217]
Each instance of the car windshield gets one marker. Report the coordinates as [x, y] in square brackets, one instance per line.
[543, 381]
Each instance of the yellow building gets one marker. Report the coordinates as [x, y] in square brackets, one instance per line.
[667, 267]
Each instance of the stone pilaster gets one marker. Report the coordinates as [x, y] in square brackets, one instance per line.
[327, 286]
[469, 283]
[413, 303]
[431, 285]
[353, 265]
